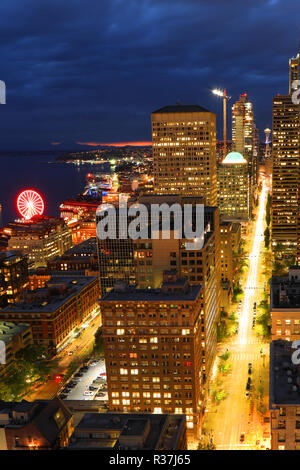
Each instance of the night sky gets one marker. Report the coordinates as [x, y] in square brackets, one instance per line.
[93, 70]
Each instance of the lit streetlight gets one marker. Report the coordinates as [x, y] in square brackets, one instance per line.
[223, 94]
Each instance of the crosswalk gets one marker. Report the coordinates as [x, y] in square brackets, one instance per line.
[246, 356]
[249, 340]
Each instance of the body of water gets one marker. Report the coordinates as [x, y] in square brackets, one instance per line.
[55, 181]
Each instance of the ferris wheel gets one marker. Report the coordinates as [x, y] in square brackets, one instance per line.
[30, 203]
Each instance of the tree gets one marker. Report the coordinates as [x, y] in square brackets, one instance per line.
[224, 368]
[98, 346]
[268, 210]
[31, 365]
[267, 238]
[225, 356]
[237, 293]
[263, 319]
[209, 446]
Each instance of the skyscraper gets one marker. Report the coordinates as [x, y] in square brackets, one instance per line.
[286, 148]
[234, 188]
[184, 151]
[244, 137]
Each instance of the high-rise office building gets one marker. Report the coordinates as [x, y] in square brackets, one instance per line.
[154, 349]
[142, 261]
[115, 255]
[285, 181]
[244, 137]
[234, 188]
[184, 151]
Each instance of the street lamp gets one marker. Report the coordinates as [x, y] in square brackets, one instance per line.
[223, 94]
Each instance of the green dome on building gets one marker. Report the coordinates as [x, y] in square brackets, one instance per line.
[234, 158]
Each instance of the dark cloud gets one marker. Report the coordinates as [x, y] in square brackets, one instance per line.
[92, 71]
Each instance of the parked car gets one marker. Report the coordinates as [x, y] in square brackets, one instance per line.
[63, 396]
[72, 384]
[93, 389]
[242, 437]
[249, 368]
[88, 393]
[78, 374]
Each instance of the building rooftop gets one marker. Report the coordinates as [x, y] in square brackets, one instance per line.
[285, 290]
[235, 158]
[284, 375]
[10, 256]
[47, 416]
[9, 329]
[182, 108]
[127, 294]
[39, 225]
[87, 247]
[57, 291]
[160, 431]
[135, 426]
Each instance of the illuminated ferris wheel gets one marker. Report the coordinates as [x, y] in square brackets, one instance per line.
[30, 203]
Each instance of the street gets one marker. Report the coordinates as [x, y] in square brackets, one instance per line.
[75, 351]
[237, 415]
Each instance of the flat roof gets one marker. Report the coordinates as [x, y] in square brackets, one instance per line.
[88, 246]
[49, 303]
[161, 426]
[284, 385]
[284, 293]
[8, 330]
[135, 426]
[181, 108]
[152, 295]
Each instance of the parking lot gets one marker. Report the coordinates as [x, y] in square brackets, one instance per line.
[89, 383]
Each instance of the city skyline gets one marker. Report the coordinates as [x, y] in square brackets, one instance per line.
[150, 228]
[54, 102]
